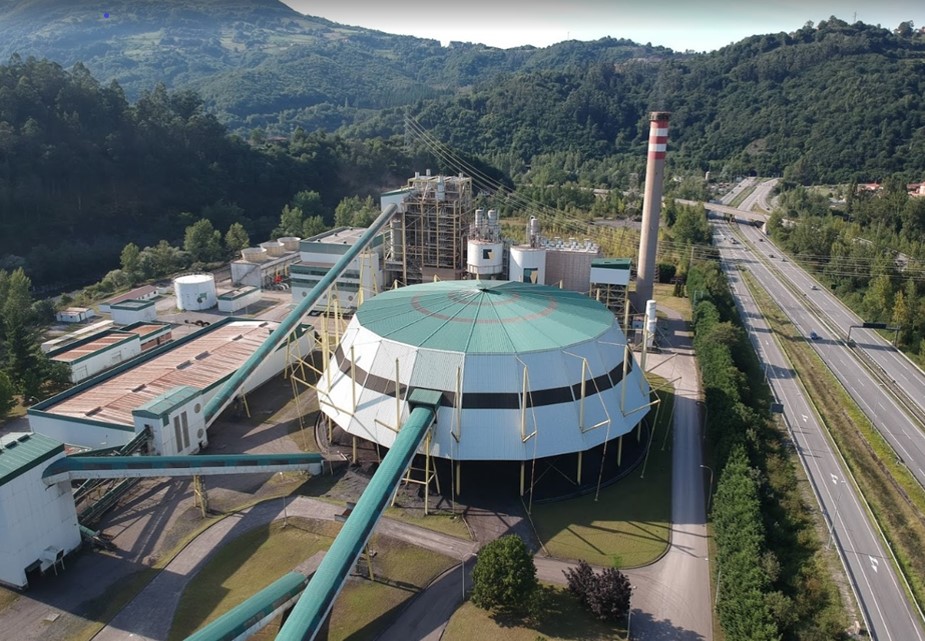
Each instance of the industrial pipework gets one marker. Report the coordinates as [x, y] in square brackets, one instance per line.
[228, 391]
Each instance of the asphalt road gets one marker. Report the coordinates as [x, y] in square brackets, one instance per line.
[879, 590]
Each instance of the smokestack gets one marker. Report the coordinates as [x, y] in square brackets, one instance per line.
[651, 206]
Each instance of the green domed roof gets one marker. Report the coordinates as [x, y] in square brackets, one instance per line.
[485, 317]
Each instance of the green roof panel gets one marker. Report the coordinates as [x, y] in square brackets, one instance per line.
[485, 317]
[22, 452]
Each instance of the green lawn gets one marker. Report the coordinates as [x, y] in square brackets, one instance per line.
[257, 558]
[440, 521]
[629, 524]
[245, 566]
[400, 570]
[664, 297]
[565, 620]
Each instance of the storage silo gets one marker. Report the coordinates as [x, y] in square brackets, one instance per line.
[484, 257]
[195, 292]
[524, 372]
[528, 264]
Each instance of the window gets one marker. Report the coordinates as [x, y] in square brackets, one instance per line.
[185, 430]
[176, 433]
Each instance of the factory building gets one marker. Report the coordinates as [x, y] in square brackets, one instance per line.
[553, 261]
[267, 265]
[98, 352]
[238, 299]
[145, 292]
[524, 371]
[38, 522]
[111, 408]
[362, 279]
[74, 315]
[427, 239]
[127, 312]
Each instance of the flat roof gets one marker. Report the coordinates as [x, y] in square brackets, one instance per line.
[95, 344]
[143, 329]
[131, 303]
[337, 236]
[138, 292]
[22, 451]
[200, 360]
[237, 293]
[612, 263]
[74, 310]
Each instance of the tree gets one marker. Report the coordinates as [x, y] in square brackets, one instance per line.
[291, 221]
[310, 204]
[7, 394]
[313, 226]
[203, 242]
[131, 263]
[19, 335]
[504, 577]
[236, 238]
[879, 298]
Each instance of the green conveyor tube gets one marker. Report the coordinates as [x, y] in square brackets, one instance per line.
[316, 601]
[287, 325]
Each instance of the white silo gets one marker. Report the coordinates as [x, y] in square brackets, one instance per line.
[195, 292]
[651, 323]
[528, 264]
[485, 257]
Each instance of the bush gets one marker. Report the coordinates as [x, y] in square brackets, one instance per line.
[504, 576]
[606, 595]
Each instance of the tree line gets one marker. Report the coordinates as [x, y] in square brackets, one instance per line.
[771, 578]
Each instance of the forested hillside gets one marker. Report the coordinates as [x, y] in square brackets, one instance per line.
[260, 63]
[83, 171]
[825, 103]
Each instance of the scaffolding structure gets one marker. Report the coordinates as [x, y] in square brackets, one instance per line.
[613, 297]
[430, 239]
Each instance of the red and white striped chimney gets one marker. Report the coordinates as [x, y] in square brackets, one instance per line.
[651, 206]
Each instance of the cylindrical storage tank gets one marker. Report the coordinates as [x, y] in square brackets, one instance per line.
[195, 292]
[528, 264]
[485, 258]
[254, 254]
[492, 219]
[290, 243]
[533, 230]
[479, 219]
[651, 323]
[274, 248]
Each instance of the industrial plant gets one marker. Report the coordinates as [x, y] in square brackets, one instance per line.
[465, 349]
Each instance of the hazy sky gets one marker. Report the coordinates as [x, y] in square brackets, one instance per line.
[701, 25]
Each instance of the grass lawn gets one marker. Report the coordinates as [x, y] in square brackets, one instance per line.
[257, 558]
[664, 296]
[628, 525]
[438, 521]
[401, 570]
[244, 567]
[565, 620]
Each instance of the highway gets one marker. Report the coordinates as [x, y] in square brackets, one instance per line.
[896, 367]
[888, 614]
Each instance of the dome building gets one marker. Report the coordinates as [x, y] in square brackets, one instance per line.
[524, 372]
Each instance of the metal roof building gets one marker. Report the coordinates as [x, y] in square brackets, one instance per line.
[523, 371]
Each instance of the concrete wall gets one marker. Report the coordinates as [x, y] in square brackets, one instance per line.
[34, 517]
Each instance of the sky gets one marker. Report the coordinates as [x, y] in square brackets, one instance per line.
[698, 25]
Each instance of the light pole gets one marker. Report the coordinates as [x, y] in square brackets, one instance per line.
[629, 613]
[710, 489]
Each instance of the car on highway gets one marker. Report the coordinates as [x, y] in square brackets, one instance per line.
[813, 335]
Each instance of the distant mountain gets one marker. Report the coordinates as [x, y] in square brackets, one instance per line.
[260, 63]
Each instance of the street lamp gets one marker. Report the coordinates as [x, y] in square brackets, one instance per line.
[710, 489]
[629, 613]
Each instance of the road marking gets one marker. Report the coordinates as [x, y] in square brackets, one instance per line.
[834, 479]
[805, 418]
[873, 563]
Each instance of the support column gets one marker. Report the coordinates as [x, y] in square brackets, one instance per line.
[354, 450]
[522, 476]
[619, 451]
[458, 477]
[578, 478]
